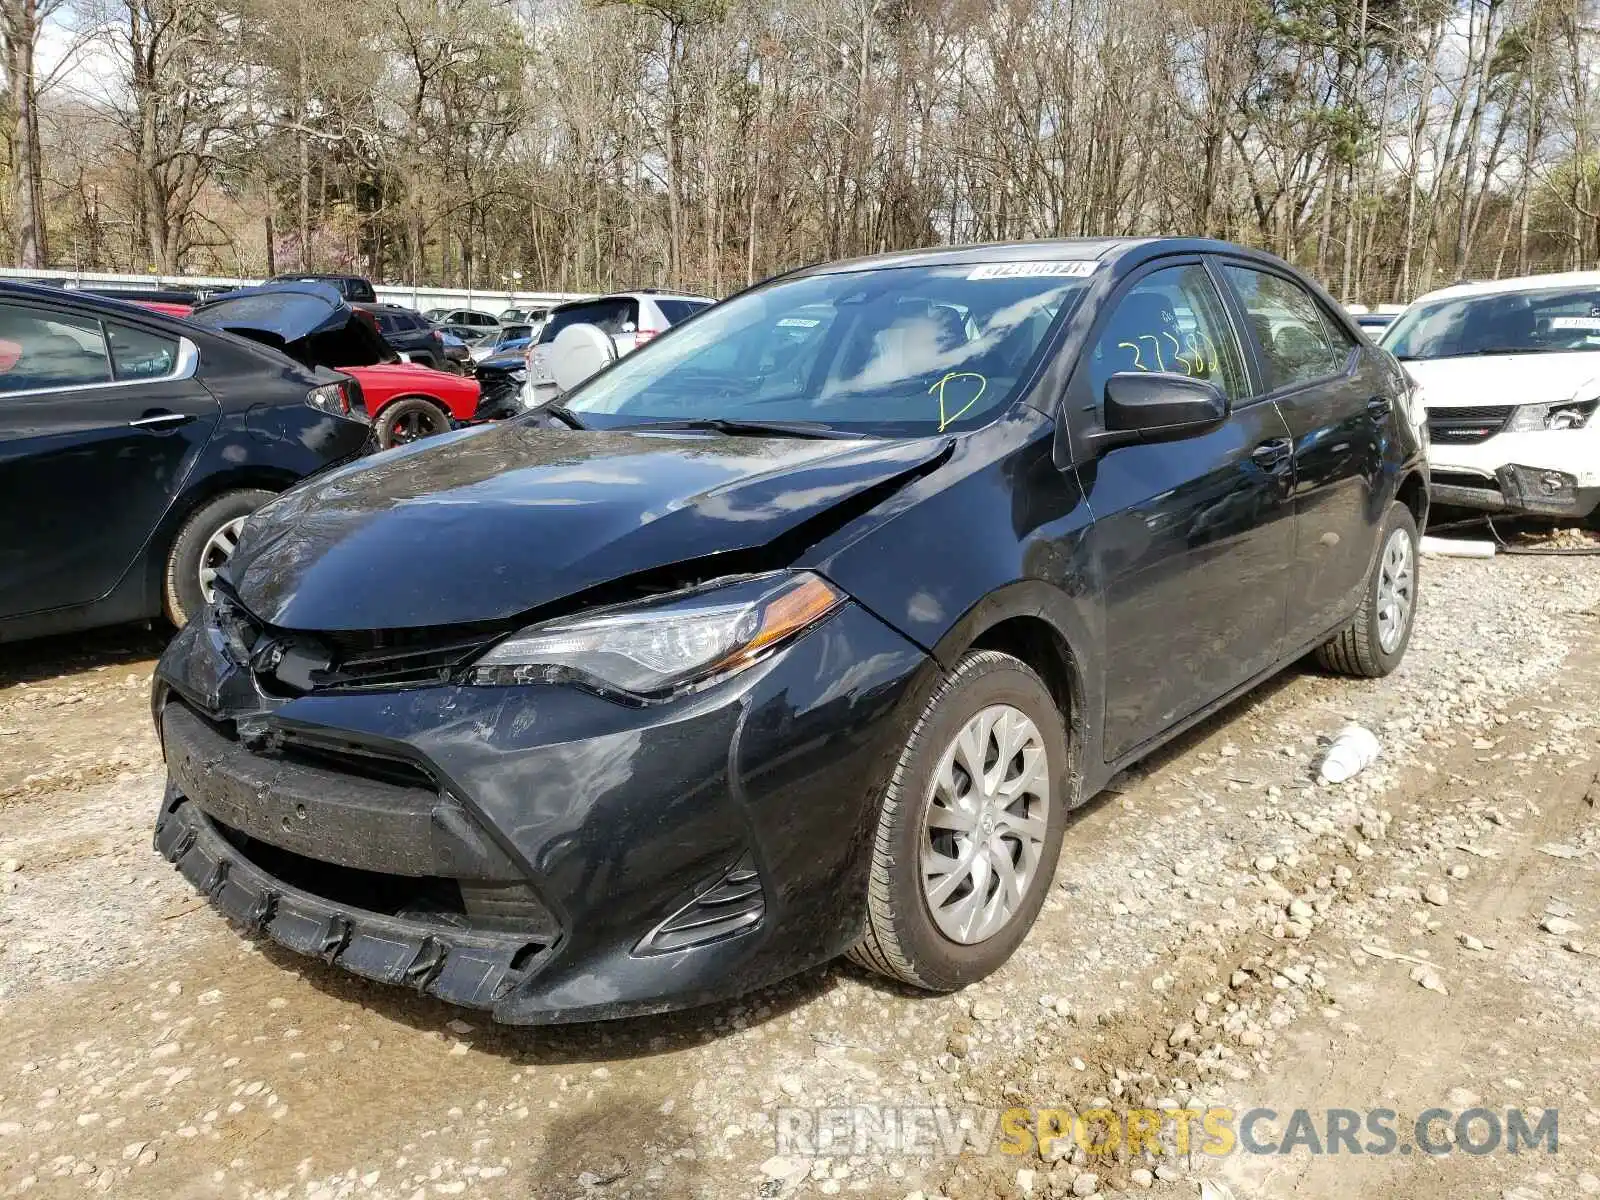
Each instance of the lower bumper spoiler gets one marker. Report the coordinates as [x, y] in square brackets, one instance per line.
[472, 969]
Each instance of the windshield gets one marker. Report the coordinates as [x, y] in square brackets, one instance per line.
[906, 351]
[1551, 320]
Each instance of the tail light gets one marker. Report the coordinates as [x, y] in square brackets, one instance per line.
[338, 397]
[330, 397]
[641, 336]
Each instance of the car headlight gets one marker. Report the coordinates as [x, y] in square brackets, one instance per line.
[656, 647]
[1562, 414]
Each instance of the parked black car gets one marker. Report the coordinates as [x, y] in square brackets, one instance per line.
[357, 289]
[132, 447]
[413, 334]
[796, 633]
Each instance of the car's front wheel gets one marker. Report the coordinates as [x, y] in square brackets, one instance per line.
[203, 545]
[970, 827]
[1375, 641]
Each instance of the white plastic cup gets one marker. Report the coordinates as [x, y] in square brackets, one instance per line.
[1353, 751]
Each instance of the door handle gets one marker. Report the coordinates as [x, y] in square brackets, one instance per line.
[1380, 406]
[160, 420]
[1271, 455]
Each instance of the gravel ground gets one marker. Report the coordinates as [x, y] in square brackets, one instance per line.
[1223, 931]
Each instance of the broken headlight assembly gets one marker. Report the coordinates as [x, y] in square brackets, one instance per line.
[650, 649]
[1561, 414]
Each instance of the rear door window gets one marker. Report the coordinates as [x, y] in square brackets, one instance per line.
[1296, 347]
[140, 354]
[42, 349]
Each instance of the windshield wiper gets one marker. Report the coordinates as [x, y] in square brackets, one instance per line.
[740, 428]
[1508, 350]
[562, 412]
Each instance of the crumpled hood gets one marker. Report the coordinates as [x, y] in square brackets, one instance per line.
[488, 523]
[1487, 379]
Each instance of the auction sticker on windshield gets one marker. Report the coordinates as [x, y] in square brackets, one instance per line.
[1061, 269]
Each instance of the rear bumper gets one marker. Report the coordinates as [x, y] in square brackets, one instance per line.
[582, 859]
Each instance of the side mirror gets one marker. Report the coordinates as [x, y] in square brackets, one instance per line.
[578, 352]
[1143, 406]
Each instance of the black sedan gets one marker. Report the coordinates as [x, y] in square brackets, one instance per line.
[796, 633]
[132, 448]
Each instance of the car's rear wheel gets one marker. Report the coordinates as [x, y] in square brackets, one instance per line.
[203, 546]
[970, 828]
[1375, 641]
[410, 419]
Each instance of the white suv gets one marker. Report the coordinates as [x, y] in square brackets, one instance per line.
[630, 319]
[1509, 375]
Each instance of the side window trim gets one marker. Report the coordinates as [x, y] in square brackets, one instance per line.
[1287, 389]
[1338, 334]
[1243, 337]
[187, 363]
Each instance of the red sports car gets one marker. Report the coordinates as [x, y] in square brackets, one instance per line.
[312, 323]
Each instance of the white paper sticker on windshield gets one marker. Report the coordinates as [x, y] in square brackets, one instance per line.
[1587, 324]
[798, 323]
[1066, 269]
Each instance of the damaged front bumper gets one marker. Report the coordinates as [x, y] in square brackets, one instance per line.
[538, 851]
[1543, 473]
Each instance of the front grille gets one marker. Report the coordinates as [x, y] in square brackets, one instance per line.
[400, 658]
[1463, 426]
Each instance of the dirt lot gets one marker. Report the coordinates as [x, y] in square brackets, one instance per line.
[1223, 931]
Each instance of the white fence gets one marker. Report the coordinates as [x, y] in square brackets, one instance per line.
[420, 298]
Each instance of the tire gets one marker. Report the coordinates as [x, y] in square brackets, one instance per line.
[409, 419]
[904, 939]
[1359, 648]
[195, 552]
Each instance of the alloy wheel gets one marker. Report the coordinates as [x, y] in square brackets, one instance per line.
[1396, 590]
[984, 824]
[218, 550]
[412, 426]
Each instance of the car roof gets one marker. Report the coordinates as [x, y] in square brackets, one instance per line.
[1522, 283]
[110, 305]
[1041, 249]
